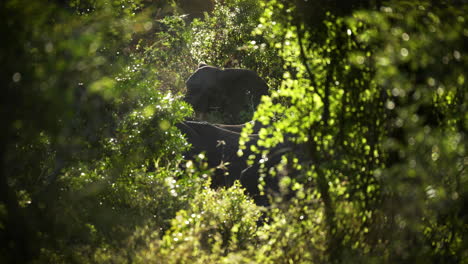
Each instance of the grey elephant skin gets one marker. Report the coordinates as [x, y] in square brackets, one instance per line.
[229, 91]
[250, 176]
[220, 145]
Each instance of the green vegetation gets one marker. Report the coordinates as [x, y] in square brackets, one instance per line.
[373, 94]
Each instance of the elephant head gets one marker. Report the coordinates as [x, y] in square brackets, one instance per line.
[202, 89]
[228, 91]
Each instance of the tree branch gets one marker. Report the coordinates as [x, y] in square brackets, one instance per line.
[304, 60]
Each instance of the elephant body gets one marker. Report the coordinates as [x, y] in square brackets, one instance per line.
[228, 91]
[250, 176]
[220, 145]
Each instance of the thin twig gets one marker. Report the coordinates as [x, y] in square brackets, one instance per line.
[305, 59]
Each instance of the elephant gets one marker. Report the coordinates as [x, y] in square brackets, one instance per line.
[229, 91]
[250, 176]
[220, 147]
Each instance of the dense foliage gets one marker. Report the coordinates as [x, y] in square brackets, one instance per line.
[371, 95]
[378, 100]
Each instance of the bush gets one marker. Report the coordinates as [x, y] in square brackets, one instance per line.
[218, 226]
[224, 39]
[88, 149]
[375, 100]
